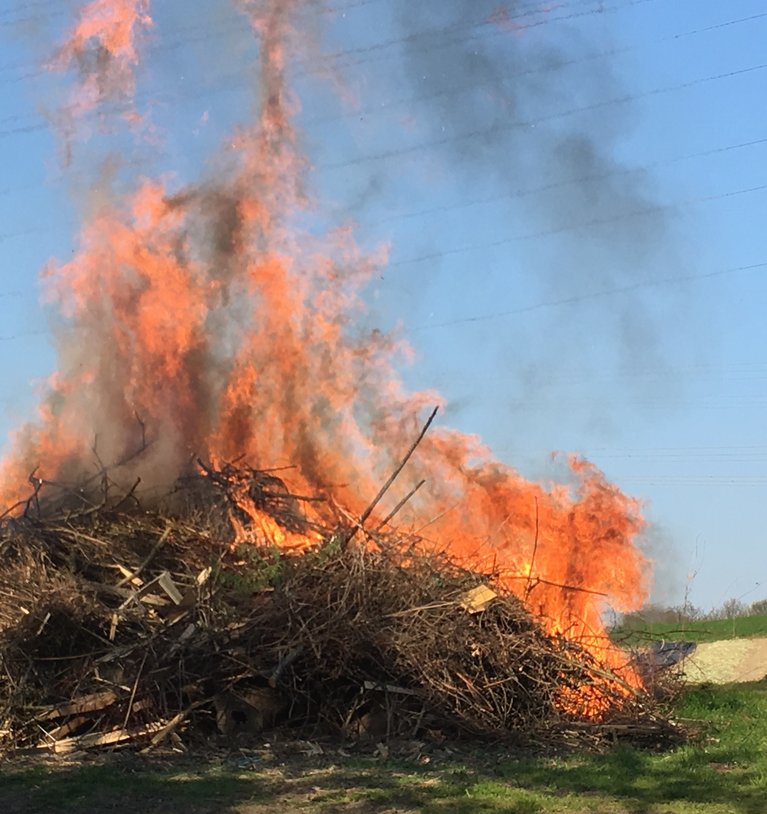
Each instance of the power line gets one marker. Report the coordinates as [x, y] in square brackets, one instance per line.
[28, 4]
[504, 241]
[504, 128]
[31, 230]
[386, 155]
[207, 33]
[523, 193]
[235, 79]
[645, 211]
[385, 107]
[716, 26]
[574, 300]
[753, 372]
[593, 295]
[22, 335]
[46, 4]
[485, 131]
[485, 27]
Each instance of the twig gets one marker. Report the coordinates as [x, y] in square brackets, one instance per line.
[135, 687]
[400, 505]
[143, 429]
[438, 517]
[284, 663]
[128, 495]
[385, 488]
[542, 581]
[528, 587]
[171, 726]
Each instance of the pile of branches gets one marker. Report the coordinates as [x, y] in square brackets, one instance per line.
[122, 625]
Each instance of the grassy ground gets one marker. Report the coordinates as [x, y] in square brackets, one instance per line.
[724, 773]
[702, 631]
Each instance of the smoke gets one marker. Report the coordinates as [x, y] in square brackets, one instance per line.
[514, 102]
[208, 321]
[668, 587]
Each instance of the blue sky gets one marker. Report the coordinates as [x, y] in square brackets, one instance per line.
[573, 197]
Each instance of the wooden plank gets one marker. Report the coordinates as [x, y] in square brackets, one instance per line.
[137, 582]
[86, 703]
[165, 581]
[94, 739]
[477, 599]
[144, 594]
[61, 731]
[392, 688]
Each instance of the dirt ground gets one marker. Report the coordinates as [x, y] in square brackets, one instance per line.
[732, 660]
[295, 778]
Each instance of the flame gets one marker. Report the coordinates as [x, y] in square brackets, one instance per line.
[204, 322]
[103, 49]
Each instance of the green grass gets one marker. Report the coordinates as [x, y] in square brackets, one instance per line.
[700, 631]
[723, 772]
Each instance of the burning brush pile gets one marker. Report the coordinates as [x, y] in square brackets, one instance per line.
[157, 601]
[126, 626]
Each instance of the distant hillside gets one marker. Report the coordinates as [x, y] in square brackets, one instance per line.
[635, 630]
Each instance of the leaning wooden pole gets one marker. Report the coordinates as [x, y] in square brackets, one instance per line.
[385, 488]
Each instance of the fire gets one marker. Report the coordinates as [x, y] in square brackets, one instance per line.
[103, 47]
[203, 322]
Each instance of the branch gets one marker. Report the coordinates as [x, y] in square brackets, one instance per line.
[385, 488]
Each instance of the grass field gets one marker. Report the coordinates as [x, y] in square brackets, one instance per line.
[724, 772]
[700, 631]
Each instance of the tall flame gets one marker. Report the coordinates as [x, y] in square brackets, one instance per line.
[205, 322]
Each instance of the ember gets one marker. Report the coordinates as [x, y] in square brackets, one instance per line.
[203, 325]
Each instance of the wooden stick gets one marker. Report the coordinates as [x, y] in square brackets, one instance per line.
[385, 488]
[128, 495]
[542, 581]
[133, 691]
[400, 505]
[529, 586]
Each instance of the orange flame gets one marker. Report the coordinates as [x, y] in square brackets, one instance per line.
[208, 321]
[103, 49]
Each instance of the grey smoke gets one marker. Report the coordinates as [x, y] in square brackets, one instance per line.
[474, 75]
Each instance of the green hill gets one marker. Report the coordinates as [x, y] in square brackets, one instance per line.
[635, 630]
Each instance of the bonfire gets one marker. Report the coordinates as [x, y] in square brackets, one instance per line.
[199, 534]
[121, 625]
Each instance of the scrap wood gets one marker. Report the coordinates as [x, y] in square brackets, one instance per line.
[477, 599]
[145, 592]
[70, 726]
[392, 688]
[87, 703]
[166, 728]
[115, 736]
[130, 577]
[165, 581]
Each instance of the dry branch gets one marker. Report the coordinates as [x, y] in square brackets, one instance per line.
[372, 638]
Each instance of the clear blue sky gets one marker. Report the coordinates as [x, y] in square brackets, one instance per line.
[573, 193]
